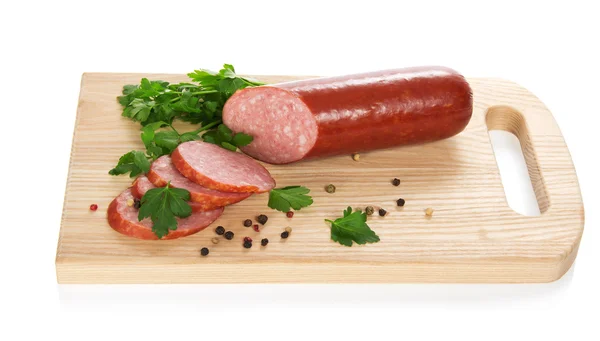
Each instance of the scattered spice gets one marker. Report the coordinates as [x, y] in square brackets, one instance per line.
[215, 240]
[229, 235]
[382, 212]
[247, 245]
[247, 222]
[129, 202]
[264, 242]
[289, 214]
[330, 188]
[429, 212]
[204, 251]
[285, 234]
[93, 207]
[288, 229]
[247, 239]
[262, 219]
[220, 230]
[396, 182]
[369, 210]
[137, 204]
[356, 156]
[400, 202]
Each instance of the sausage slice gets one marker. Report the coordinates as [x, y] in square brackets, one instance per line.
[141, 185]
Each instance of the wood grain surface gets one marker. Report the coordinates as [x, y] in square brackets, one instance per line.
[473, 235]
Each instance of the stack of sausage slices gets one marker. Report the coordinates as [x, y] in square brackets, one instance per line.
[215, 178]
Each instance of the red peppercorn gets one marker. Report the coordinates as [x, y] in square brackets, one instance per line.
[290, 214]
[93, 207]
[255, 228]
[247, 239]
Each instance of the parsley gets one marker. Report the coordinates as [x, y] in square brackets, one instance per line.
[352, 227]
[135, 162]
[162, 205]
[156, 104]
[282, 199]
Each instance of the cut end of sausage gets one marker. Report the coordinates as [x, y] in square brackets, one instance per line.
[162, 171]
[219, 169]
[124, 219]
[283, 127]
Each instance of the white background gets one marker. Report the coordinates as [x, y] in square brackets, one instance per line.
[549, 47]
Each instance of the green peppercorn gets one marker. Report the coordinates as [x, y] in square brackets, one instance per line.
[264, 242]
[285, 234]
[204, 251]
[247, 222]
[229, 235]
[330, 188]
[220, 230]
[396, 182]
[369, 210]
[382, 212]
[262, 219]
[400, 202]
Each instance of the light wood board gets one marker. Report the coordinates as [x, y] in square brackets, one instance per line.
[473, 235]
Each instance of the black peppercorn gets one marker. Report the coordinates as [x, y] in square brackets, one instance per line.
[396, 182]
[400, 202]
[262, 219]
[229, 235]
[382, 212]
[204, 251]
[247, 222]
[285, 234]
[137, 204]
[220, 230]
[264, 242]
[247, 244]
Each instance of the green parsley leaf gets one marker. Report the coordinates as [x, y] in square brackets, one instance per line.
[241, 139]
[134, 162]
[282, 199]
[352, 227]
[163, 205]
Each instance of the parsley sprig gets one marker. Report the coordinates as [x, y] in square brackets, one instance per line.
[282, 199]
[162, 205]
[156, 104]
[352, 227]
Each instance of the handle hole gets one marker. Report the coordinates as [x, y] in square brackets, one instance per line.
[519, 171]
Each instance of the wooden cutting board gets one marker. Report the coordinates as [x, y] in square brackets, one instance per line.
[473, 235]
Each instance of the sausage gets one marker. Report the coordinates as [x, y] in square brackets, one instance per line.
[347, 114]
[220, 169]
[162, 171]
[124, 219]
[141, 185]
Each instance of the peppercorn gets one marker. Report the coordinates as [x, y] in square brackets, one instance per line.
[264, 242]
[356, 156]
[382, 212]
[400, 202]
[429, 212]
[129, 202]
[220, 230]
[215, 240]
[369, 210]
[262, 219]
[285, 234]
[137, 204]
[93, 207]
[247, 239]
[204, 251]
[396, 182]
[229, 235]
[289, 214]
[256, 228]
[247, 245]
[330, 188]
[247, 222]
[288, 229]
